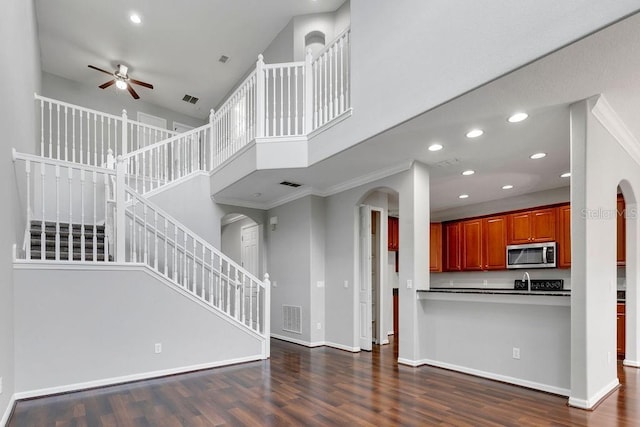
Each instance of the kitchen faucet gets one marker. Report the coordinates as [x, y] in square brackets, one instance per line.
[527, 278]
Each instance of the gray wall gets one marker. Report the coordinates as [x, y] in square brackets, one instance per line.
[316, 269]
[108, 101]
[289, 264]
[19, 52]
[86, 325]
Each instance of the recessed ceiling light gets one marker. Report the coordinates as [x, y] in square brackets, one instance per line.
[463, 196]
[135, 18]
[507, 187]
[517, 117]
[474, 133]
[565, 175]
[538, 156]
[469, 172]
[435, 147]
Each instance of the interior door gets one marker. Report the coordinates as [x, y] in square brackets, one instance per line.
[249, 252]
[364, 287]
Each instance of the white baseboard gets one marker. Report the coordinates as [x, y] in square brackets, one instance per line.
[596, 398]
[490, 375]
[316, 344]
[134, 377]
[631, 363]
[343, 347]
[7, 412]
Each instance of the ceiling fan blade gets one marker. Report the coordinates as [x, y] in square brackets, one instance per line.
[107, 84]
[132, 92]
[100, 69]
[138, 82]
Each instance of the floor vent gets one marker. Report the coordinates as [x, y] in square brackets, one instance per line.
[291, 318]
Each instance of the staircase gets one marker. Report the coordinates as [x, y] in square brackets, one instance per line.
[64, 242]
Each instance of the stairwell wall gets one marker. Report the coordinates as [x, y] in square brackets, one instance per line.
[19, 51]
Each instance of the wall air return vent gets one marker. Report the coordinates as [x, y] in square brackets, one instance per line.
[190, 99]
[290, 184]
[291, 318]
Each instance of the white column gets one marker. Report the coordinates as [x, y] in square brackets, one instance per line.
[414, 258]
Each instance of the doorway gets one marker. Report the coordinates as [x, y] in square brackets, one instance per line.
[370, 296]
[250, 248]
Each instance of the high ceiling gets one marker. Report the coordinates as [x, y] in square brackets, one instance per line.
[176, 47]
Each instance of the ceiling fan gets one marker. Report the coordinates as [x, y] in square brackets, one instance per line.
[122, 80]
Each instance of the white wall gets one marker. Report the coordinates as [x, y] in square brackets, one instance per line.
[599, 140]
[109, 100]
[18, 52]
[91, 326]
[281, 48]
[190, 203]
[398, 54]
[317, 248]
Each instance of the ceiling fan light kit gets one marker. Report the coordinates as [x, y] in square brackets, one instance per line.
[122, 80]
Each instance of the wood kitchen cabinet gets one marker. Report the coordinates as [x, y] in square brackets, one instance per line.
[472, 245]
[435, 247]
[532, 226]
[476, 244]
[564, 236]
[495, 242]
[620, 231]
[393, 233]
[620, 342]
[452, 246]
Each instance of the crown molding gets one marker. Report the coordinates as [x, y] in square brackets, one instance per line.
[609, 118]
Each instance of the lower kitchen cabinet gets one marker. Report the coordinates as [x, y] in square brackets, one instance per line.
[620, 343]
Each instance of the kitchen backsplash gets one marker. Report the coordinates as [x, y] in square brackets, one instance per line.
[496, 279]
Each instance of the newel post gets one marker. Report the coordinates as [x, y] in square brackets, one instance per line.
[212, 139]
[125, 125]
[120, 211]
[267, 315]
[308, 92]
[260, 97]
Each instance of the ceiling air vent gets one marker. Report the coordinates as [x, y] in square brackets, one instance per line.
[190, 99]
[290, 184]
[223, 59]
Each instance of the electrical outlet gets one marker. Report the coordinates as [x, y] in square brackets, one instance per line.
[346, 284]
[158, 348]
[516, 353]
[484, 283]
[319, 325]
[321, 283]
[274, 284]
[409, 283]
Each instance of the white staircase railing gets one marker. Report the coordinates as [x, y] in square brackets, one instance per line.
[76, 134]
[81, 213]
[156, 165]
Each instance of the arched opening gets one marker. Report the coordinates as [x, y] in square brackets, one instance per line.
[314, 40]
[377, 260]
[241, 240]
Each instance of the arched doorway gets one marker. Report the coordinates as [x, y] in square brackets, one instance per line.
[241, 240]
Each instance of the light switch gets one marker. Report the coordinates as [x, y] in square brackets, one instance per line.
[409, 283]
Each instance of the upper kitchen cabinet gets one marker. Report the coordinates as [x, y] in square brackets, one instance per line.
[435, 248]
[393, 227]
[532, 226]
[452, 247]
[472, 245]
[621, 227]
[495, 242]
[564, 236]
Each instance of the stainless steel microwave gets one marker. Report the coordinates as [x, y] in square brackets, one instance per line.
[532, 255]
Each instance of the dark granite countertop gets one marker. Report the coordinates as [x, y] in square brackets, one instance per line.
[497, 291]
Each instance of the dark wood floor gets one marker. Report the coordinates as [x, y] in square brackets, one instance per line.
[324, 386]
